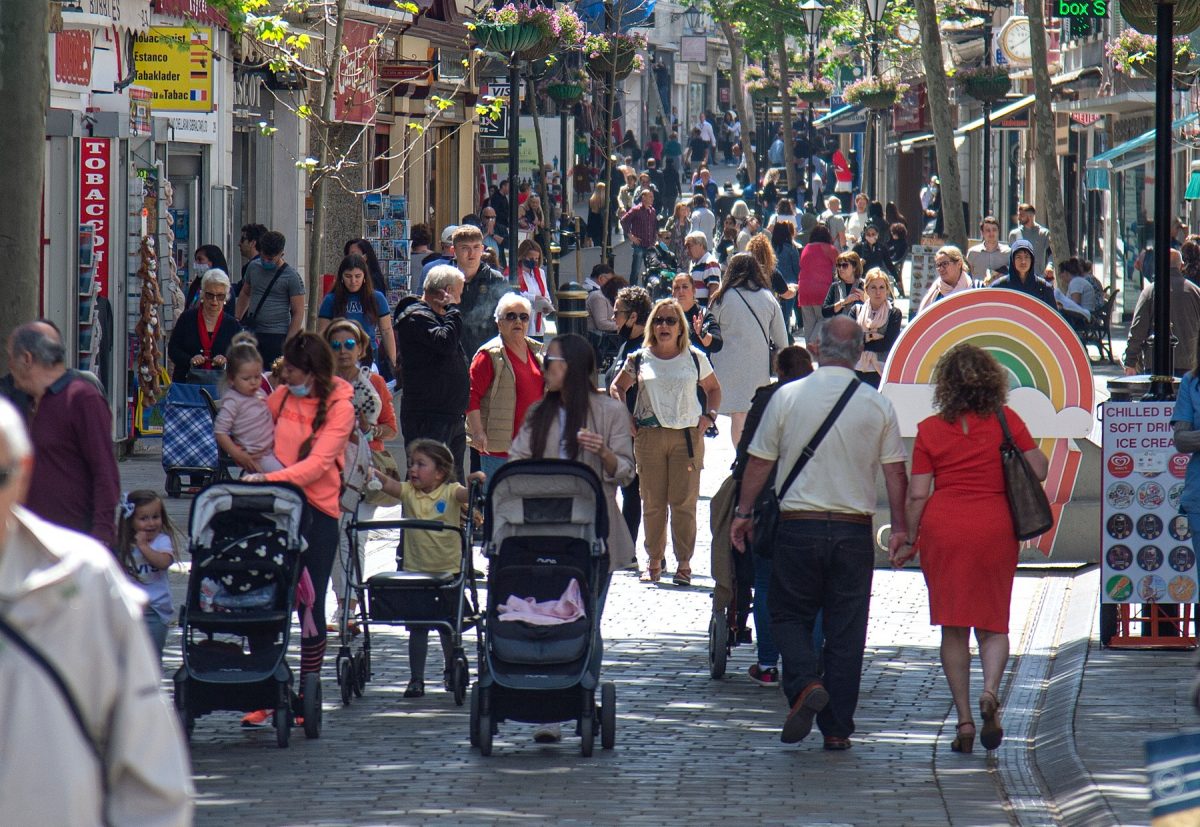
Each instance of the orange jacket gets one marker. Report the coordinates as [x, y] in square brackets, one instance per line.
[320, 473]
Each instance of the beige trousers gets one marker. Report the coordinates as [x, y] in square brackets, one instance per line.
[669, 479]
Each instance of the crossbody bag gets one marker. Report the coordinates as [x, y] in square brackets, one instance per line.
[766, 507]
[249, 320]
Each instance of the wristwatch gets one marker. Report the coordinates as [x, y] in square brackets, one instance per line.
[741, 515]
[712, 416]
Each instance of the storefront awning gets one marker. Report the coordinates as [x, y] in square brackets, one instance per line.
[836, 115]
[1132, 153]
[1006, 111]
[1193, 187]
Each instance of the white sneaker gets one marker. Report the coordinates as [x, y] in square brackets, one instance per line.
[548, 734]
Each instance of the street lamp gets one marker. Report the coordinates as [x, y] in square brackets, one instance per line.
[875, 10]
[987, 10]
[692, 16]
[811, 12]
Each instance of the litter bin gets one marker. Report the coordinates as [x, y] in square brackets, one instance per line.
[572, 309]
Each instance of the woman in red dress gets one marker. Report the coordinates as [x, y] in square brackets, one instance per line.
[965, 534]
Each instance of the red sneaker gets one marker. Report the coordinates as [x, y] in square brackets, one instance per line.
[258, 718]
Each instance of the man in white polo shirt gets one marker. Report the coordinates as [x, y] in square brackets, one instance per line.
[824, 554]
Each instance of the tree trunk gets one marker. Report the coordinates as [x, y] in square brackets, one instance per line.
[24, 81]
[943, 128]
[789, 136]
[1050, 183]
[737, 95]
[316, 241]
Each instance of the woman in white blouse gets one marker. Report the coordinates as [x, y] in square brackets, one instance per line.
[533, 284]
[669, 441]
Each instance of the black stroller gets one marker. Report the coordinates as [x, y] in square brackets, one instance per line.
[236, 621]
[544, 527]
[410, 598]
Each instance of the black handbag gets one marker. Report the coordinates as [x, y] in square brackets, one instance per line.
[766, 507]
[1027, 500]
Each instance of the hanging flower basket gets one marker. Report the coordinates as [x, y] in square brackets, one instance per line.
[617, 55]
[815, 91]
[874, 93]
[1143, 16]
[764, 92]
[506, 38]
[561, 30]
[1133, 53]
[565, 92]
[986, 83]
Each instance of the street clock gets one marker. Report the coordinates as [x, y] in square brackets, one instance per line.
[908, 32]
[1014, 41]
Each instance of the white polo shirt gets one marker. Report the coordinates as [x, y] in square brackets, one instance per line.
[841, 474]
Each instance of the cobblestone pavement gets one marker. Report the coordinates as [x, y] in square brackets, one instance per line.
[691, 750]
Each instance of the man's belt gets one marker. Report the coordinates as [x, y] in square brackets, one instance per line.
[827, 516]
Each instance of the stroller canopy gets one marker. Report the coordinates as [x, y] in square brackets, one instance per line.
[549, 497]
[282, 504]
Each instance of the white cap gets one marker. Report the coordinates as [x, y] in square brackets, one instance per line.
[448, 234]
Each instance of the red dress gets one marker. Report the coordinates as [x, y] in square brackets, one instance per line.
[966, 540]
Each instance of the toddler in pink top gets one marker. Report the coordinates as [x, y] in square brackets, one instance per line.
[244, 427]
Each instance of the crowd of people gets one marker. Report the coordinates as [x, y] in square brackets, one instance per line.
[636, 400]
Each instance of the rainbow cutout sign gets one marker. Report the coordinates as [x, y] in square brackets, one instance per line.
[1050, 378]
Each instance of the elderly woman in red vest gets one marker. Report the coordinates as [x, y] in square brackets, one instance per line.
[506, 379]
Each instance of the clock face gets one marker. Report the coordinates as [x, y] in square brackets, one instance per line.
[908, 32]
[1014, 40]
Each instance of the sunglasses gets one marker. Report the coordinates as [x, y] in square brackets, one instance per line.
[554, 359]
[516, 317]
[348, 344]
[845, 264]
[942, 265]
[669, 321]
[216, 297]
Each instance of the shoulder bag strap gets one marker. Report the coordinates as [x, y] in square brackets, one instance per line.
[64, 691]
[267, 292]
[754, 316]
[1008, 437]
[811, 447]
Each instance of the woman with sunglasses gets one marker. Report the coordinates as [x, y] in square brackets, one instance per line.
[669, 439]
[506, 379]
[846, 292]
[954, 276]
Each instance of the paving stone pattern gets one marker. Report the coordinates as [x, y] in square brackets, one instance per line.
[690, 750]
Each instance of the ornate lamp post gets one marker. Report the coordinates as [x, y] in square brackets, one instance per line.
[811, 11]
[875, 10]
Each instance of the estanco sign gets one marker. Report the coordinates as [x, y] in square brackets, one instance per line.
[95, 199]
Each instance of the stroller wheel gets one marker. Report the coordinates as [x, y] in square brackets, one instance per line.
[359, 671]
[608, 714]
[475, 715]
[460, 676]
[312, 705]
[283, 726]
[718, 644]
[345, 676]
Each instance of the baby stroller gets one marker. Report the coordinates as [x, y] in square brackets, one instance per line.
[544, 524]
[236, 620]
[734, 574]
[189, 447]
[409, 598]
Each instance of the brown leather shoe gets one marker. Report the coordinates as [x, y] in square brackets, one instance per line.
[800, 720]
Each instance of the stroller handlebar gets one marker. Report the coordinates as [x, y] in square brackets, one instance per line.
[415, 525]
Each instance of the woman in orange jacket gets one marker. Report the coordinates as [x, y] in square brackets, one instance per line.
[313, 418]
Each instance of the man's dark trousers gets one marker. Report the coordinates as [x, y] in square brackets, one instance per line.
[825, 566]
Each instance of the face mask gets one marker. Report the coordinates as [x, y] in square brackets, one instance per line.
[530, 264]
[298, 390]
[199, 269]
[625, 333]
[268, 265]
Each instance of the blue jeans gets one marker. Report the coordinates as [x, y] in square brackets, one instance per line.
[768, 652]
[789, 309]
[827, 567]
[638, 263]
[157, 628]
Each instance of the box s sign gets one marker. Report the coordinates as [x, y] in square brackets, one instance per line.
[1079, 8]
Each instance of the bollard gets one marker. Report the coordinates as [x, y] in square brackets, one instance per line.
[572, 309]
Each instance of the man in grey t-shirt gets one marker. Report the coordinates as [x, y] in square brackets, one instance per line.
[1033, 232]
[278, 312]
[988, 260]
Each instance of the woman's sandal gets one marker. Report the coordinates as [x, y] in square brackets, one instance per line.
[652, 574]
[992, 733]
[964, 741]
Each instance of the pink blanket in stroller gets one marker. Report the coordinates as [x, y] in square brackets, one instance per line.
[565, 609]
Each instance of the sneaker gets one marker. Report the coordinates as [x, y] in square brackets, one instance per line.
[257, 719]
[548, 734]
[416, 689]
[768, 676]
[800, 720]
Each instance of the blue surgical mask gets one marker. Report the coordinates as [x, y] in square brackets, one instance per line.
[298, 390]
